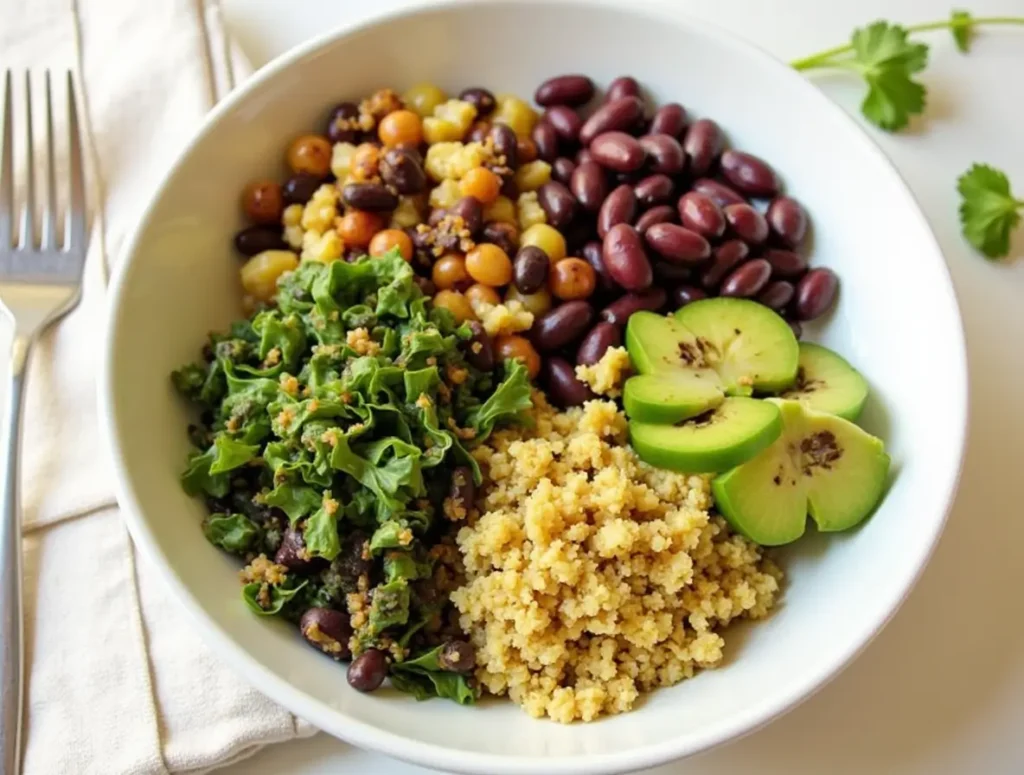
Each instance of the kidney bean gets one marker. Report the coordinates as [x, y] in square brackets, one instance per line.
[437, 214]
[562, 169]
[815, 293]
[665, 153]
[402, 169]
[479, 98]
[659, 214]
[582, 229]
[654, 190]
[618, 207]
[726, 256]
[504, 235]
[509, 189]
[337, 130]
[684, 294]
[561, 325]
[299, 188]
[667, 272]
[566, 122]
[545, 138]
[746, 223]
[618, 151]
[618, 312]
[570, 90]
[747, 280]
[624, 255]
[703, 144]
[292, 552]
[530, 269]
[372, 197]
[478, 132]
[327, 630]
[749, 174]
[676, 243]
[787, 220]
[583, 155]
[796, 328]
[776, 294]
[367, 671]
[615, 115]
[472, 213]
[456, 656]
[669, 119]
[589, 185]
[591, 252]
[601, 337]
[505, 144]
[786, 264]
[482, 356]
[630, 178]
[461, 489]
[256, 239]
[701, 214]
[719, 193]
[558, 203]
[623, 86]
[563, 388]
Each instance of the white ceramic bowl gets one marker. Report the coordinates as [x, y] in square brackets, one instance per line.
[897, 320]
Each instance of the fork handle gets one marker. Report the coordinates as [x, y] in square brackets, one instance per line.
[11, 623]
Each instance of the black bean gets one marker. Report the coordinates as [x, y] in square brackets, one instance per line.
[367, 671]
[619, 114]
[749, 174]
[786, 264]
[402, 168]
[654, 190]
[338, 130]
[726, 256]
[505, 144]
[594, 344]
[677, 243]
[479, 98]
[256, 239]
[327, 630]
[746, 223]
[787, 220]
[591, 252]
[618, 151]
[462, 489]
[372, 197]
[776, 294]
[684, 294]
[562, 386]
[664, 153]
[618, 207]
[299, 188]
[558, 203]
[545, 138]
[456, 656]
[719, 193]
[703, 144]
[570, 90]
[815, 293]
[659, 214]
[562, 169]
[504, 235]
[701, 214]
[623, 86]
[624, 256]
[669, 119]
[589, 185]
[478, 349]
[469, 209]
[566, 122]
[747, 280]
[617, 313]
[562, 325]
[530, 269]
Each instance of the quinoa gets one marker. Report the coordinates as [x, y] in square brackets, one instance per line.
[592, 577]
[606, 376]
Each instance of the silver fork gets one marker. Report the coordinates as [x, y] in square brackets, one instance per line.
[40, 281]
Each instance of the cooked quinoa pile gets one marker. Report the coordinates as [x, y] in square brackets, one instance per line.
[593, 577]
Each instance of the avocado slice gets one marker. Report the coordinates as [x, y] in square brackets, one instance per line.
[671, 397]
[821, 465]
[825, 382]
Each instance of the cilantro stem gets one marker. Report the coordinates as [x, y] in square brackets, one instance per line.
[825, 58]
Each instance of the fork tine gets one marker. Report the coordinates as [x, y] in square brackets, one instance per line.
[49, 236]
[75, 230]
[7, 168]
[28, 224]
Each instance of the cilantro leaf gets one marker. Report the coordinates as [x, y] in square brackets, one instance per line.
[988, 209]
[962, 27]
[321, 534]
[886, 60]
[508, 401]
[234, 533]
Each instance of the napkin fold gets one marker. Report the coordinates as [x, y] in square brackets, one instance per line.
[117, 682]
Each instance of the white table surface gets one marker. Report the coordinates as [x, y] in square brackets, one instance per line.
[942, 688]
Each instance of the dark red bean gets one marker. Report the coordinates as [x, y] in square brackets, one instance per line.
[372, 197]
[478, 349]
[471, 212]
[623, 86]
[749, 174]
[478, 132]
[776, 294]
[703, 144]
[558, 203]
[582, 229]
[746, 223]
[479, 98]
[338, 129]
[571, 90]
[589, 185]
[509, 189]
[787, 220]
[563, 388]
[815, 293]
[566, 122]
[719, 193]
[659, 214]
[624, 255]
[699, 213]
[367, 671]
[561, 325]
[504, 235]
[618, 151]
[616, 115]
[402, 168]
[654, 190]
[684, 294]
[669, 119]
[747, 280]
[632, 178]
[299, 188]
[256, 239]
[677, 243]
[667, 272]
[724, 258]
[618, 207]
[796, 328]
[530, 269]
[546, 139]
[601, 337]
[327, 630]
[786, 264]
[505, 144]
[664, 153]
[583, 155]
[425, 284]
[562, 169]
[591, 252]
[437, 214]
[456, 656]
[291, 553]
[618, 312]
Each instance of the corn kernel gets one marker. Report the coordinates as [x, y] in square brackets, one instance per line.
[446, 194]
[515, 113]
[293, 236]
[545, 237]
[341, 159]
[321, 209]
[529, 211]
[457, 112]
[408, 213]
[424, 98]
[532, 175]
[436, 130]
[260, 273]
[292, 215]
[322, 247]
[501, 209]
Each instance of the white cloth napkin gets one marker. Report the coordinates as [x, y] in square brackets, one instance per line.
[117, 681]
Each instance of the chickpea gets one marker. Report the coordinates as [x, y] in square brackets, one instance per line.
[365, 164]
[310, 154]
[516, 113]
[538, 302]
[423, 98]
[519, 348]
[482, 294]
[572, 278]
[449, 273]
[489, 264]
[456, 303]
[547, 238]
[260, 273]
[481, 184]
[357, 227]
[402, 127]
[385, 240]
[262, 202]
[501, 209]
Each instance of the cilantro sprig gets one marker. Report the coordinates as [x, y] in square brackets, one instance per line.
[989, 212]
[885, 57]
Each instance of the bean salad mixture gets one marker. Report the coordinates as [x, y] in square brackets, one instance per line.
[519, 396]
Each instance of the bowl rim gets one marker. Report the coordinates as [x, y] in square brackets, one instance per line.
[394, 744]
